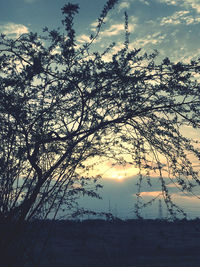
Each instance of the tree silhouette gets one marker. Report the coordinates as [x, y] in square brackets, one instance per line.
[62, 105]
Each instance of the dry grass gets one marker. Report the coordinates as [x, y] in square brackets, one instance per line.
[99, 243]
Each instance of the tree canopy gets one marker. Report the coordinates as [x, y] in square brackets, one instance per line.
[62, 104]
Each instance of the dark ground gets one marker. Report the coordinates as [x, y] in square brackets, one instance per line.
[97, 243]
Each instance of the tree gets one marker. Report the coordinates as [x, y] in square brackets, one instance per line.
[61, 105]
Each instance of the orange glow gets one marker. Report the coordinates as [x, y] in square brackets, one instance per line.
[151, 194]
[120, 174]
[117, 177]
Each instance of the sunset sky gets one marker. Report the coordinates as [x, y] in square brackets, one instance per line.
[169, 26]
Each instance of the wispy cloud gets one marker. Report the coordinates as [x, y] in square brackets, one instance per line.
[169, 2]
[151, 194]
[95, 23]
[187, 197]
[145, 2]
[187, 56]
[13, 29]
[124, 5]
[154, 39]
[194, 4]
[114, 29]
[176, 196]
[83, 38]
[180, 17]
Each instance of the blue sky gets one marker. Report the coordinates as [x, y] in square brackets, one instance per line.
[170, 26]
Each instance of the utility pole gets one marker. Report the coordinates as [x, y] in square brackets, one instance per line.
[109, 206]
[160, 213]
[116, 213]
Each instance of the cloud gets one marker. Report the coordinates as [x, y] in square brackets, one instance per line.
[154, 39]
[108, 57]
[13, 29]
[151, 194]
[177, 196]
[124, 5]
[111, 29]
[95, 23]
[83, 38]
[114, 29]
[194, 4]
[118, 166]
[180, 17]
[169, 2]
[119, 171]
[145, 2]
[175, 19]
[186, 197]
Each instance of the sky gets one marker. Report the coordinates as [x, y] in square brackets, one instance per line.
[169, 26]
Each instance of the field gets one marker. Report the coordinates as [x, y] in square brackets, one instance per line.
[100, 243]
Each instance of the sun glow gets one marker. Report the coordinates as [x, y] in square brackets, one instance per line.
[107, 170]
[117, 177]
[118, 173]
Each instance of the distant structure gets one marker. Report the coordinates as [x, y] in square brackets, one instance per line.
[116, 212]
[109, 206]
[160, 213]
